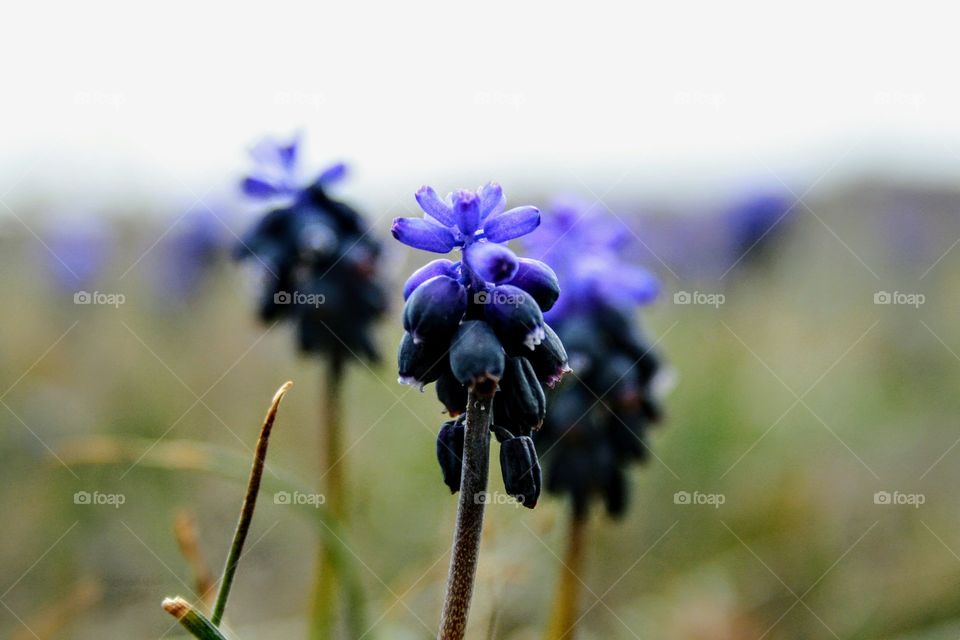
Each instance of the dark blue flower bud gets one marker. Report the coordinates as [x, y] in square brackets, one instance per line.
[549, 358]
[476, 357]
[441, 267]
[520, 404]
[492, 262]
[451, 393]
[539, 280]
[521, 470]
[420, 363]
[450, 453]
[514, 316]
[435, 308]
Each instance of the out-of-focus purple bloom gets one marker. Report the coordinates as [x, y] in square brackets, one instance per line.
[585, 249]
[587, 445]
[318, 263]
[77, 252]
[758, 223]
[189, 253]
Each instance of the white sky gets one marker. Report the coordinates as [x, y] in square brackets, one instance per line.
[104, 100]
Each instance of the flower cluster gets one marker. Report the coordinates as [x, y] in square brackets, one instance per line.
[477, 324]
[316, 261]
[587, 443]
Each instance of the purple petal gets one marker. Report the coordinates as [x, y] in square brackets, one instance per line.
[422, 234]
[492, 262]
[439, 267]
[511, 224]
[332, 174]
[434, 206]
[492, 200]
[258, 188]
[288, 152]
[266, 151]
[466, 209]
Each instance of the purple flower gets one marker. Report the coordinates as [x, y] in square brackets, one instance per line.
[585, 248]
[463, 219]
[477, 324]
[318, 261]
[476, 222]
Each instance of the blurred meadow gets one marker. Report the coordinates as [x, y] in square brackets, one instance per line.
[801, 486]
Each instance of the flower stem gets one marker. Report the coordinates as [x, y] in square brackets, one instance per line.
[249, 503]
[332, 468]
[563, 618]
[466, 538]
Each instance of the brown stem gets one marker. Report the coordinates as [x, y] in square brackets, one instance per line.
[249, 504]
[466, 539]
[563, 618]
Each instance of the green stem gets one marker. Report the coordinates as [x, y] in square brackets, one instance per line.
[249, 503]
[331, 464]
[469, 527]
[563, 618]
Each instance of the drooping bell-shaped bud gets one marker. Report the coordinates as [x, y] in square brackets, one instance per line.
[549, 358]
[450, 452]
[521, 470]
[476, 357]
[420, 363]
[492, 262]
[521, 403]
[434, 309]
[539, 280]
[515, 317]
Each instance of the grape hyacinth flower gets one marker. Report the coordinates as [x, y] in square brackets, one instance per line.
[476, 328]
[319, 269]
[588, 444]
[316, 260]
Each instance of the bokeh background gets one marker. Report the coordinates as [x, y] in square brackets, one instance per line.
[816, 362]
